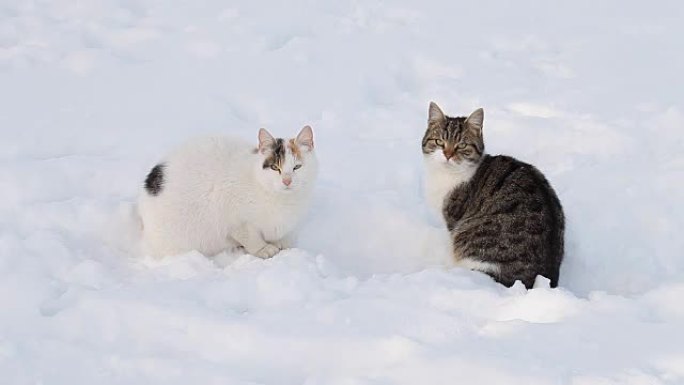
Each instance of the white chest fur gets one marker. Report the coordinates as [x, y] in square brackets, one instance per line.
[442, 177]
[276, 217]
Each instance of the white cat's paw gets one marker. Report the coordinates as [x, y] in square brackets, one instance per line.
[283, 244]
[286, 242]
[267, 251]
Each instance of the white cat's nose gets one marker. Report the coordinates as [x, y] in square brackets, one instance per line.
[287, 181]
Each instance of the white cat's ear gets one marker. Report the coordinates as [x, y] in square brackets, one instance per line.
[265, 139]
[305, 138]
[476, 119]
[435, 114]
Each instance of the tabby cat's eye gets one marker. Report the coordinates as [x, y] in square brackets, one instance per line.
[461, 146]
[297, 167]
[274, 167]
[439, 142]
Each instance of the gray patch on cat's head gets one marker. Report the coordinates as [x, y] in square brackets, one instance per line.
[458, 137]
[275, 155]
[273, 149]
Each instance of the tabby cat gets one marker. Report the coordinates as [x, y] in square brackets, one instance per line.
[503, 216]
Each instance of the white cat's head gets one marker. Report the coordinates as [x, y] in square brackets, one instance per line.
[286, 165]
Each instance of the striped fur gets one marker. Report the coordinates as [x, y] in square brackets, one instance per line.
[504, 218]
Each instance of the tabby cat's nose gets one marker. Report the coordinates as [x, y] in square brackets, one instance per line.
[448, 154]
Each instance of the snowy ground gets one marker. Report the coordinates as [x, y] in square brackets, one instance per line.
[92, 93]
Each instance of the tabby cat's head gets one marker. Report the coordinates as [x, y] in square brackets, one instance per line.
[286, 165]
[453, 141]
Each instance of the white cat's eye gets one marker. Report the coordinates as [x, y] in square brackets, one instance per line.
[274, 167]
[297, 167]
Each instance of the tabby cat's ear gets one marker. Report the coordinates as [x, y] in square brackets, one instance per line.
[475, 120]
[435, 114]
[265, 139]
[305, 138]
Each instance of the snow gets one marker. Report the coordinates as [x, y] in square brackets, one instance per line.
[92, 94]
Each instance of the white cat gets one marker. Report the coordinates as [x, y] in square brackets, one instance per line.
[222, 193]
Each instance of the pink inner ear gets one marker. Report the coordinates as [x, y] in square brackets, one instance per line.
[265, 139]
[306, 143]
[305, 137]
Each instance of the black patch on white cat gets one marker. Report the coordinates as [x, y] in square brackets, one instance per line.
[155, 180]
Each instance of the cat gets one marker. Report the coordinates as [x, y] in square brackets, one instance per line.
[217, 194]
[503, 217]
